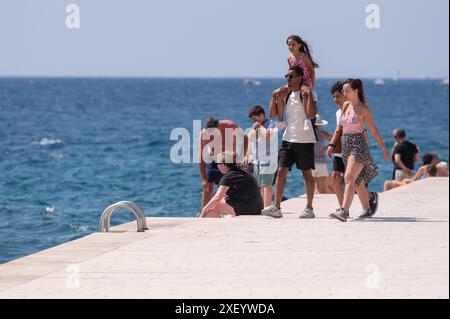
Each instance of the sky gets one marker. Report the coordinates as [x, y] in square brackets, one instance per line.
[227, 38]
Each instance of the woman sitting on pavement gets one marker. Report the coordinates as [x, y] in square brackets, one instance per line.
[431, 167]
[423, 172]
[238, 192]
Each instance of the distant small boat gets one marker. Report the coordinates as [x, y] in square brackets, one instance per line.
[252, 82]
[445, 82]
[379, 82]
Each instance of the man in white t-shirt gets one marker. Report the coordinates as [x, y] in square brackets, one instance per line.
[298, 141]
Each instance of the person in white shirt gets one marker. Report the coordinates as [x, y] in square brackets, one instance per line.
[263, 151]
[298, 141]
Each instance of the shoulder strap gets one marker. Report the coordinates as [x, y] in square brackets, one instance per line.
[313, 122]
[287, 97]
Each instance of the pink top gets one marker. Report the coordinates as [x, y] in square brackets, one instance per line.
[307, 75]
[350, 124]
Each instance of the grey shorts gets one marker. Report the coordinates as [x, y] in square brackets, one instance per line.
[264, 174]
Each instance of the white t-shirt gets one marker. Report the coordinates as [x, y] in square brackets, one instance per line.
[295, 122]
[338, 119]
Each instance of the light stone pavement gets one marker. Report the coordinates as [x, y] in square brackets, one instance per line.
[401, 253]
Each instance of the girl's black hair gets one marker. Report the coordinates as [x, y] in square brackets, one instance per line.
[304, 47]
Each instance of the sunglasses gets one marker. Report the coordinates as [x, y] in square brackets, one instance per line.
[290, 76]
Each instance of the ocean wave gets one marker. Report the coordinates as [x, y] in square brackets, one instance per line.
[48, 141]
[56, 156]
[154, 143]
[77, 228]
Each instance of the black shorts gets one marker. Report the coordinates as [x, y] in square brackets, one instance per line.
[213, 175]
[338, 165]
[245, 208]
[301, 154]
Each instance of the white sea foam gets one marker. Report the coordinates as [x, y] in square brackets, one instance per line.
[48, 141]
[78, 228]
[57, 156]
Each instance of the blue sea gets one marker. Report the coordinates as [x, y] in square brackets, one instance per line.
[69, 147]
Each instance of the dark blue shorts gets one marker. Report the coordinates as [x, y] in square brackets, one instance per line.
[213, 175]
[338, 165]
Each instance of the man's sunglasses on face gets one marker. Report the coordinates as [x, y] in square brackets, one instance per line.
[290, 76]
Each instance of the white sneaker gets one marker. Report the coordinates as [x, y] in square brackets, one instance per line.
[272, 211]
[307, 213]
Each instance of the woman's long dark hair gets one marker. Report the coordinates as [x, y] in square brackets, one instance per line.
[304, 47]
[357, 84]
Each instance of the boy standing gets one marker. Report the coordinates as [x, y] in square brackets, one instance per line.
[263, 151]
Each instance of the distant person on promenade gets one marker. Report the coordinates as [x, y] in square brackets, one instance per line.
[298, 141]
[238, 192]
[212, 142]
[360, 167]
[423, 172]
[320, 173]
[300, 57]
[442, 167]
[433, 159]
[263, 151]
[404, 155]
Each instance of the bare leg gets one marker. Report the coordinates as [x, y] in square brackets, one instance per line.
[321, 185]
[221, 208]
[207, 194]
[363, 195]
[280, 185]
[388, 185]
[330, 187]
[338, 189]
[267, 194]
[351, 174]
[310, 187]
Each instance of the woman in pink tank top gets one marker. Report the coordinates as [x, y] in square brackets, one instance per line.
[360, 166]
